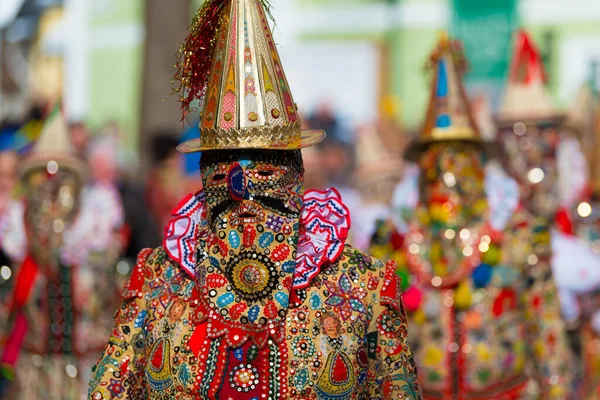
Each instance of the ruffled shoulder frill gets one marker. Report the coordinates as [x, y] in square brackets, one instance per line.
[324, 226]
[182, 231]
[325, 223]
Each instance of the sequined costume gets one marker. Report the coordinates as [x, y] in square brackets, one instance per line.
[255, 293]
[482, 306]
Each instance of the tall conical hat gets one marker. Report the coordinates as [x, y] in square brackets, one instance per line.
[54, 144]
[525, 98]
[230, 63]
[449, 115]
[580, 113]
[374, 161]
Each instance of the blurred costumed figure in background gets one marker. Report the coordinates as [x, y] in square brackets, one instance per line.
[102, 219]
[61, 293]
[10, 141]
[481, 319]
[255, 293]
[583, 262]
[544, 155]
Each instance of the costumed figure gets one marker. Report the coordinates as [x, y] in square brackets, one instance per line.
[254, 294]
[10, 140]
[56, 309]
[550, 167]
[480, 316]
[98, 277]
[580, 254]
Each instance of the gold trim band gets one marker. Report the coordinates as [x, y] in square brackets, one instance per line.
[253, 137]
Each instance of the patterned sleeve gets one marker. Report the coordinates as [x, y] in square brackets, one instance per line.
[553, 358]
[392, 370]
[119, 372]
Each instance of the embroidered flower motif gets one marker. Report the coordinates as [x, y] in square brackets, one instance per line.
[115, 388]
[303, 347]
[362, 261]
[128, 313]
[345, 298]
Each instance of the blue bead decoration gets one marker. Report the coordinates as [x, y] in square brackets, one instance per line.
[482, 275]
[225, 299]
[253, 313]
[282, 299]
[315, 301]
[266, 239]
[234, 239]
[289, 266]
[239, 354]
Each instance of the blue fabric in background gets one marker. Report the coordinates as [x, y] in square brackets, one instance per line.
[12, 140]
[191, 161]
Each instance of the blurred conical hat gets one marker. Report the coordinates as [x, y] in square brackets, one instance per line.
[373, 160]
[580, 112]
[526, 97]
[449, 116]
[54, 144]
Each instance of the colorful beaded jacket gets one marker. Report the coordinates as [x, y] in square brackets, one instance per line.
[341, 335]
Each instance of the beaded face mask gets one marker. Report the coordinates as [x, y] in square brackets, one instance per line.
[253, 202]
[52, 203]
[452, 183]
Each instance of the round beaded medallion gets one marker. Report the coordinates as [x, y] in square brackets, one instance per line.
[244, 378]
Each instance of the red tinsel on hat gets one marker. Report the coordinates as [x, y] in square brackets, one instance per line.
[196, 54]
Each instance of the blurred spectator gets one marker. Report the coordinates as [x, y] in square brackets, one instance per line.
[337, 159]
[164, 187]
[140, 229]
[80, 137]
[314, 173]
[324, 118]
[8, 176]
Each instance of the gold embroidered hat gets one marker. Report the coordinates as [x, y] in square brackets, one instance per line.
[449, 116]
[230, 62]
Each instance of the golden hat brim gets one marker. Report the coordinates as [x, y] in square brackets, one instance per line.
[307, 138]
[417, 147]
[504, 120]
